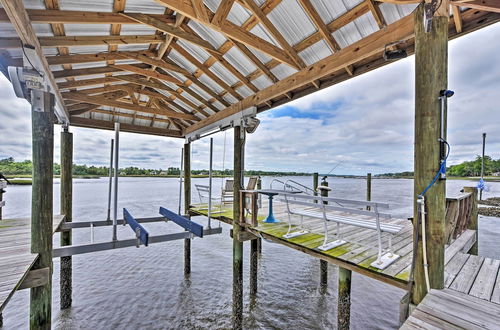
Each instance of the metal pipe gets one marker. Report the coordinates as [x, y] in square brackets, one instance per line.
[210, 181]
[482, 166]
[110, 180]
[180, 181]
[115, 200]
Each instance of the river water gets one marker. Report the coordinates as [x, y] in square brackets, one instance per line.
[145, 288]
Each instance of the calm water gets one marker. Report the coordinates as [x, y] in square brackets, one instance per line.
[145, 288]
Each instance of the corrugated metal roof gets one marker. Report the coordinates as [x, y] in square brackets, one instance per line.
[239, 61]
[223, 73]
[315, 52]
[238, 14]
[293, 30]
[213, 37]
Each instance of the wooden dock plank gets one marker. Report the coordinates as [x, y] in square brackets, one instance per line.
[16, 258]
[485, 281]
[467, 275]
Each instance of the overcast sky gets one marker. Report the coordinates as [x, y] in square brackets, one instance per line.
[365, 123]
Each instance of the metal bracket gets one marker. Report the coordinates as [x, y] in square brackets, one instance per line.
[429, 10]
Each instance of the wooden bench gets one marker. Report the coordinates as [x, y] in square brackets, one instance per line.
[361, 214]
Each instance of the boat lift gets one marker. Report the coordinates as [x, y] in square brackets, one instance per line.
[142, 236]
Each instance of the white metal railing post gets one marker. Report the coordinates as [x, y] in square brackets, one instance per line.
[115, 200]
[110, 189]
[325, 224]
[379, 235]
[180, 181]
[210, 182]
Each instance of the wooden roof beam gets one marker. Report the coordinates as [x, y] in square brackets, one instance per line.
[255, 9]
[364, 48]
[20, 21]
[79, 17]
[484, 5]
[109, 125]
[376, 13]
[169, 29]
[98, 100]
[232, 31]
[149, 73]
[164, 64]
[222, 12]
[457, 18]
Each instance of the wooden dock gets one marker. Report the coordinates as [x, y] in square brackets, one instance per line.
[361, 249]
[449, 309]
[16, 258]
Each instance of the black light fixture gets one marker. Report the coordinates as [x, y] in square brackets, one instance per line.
[396, 54]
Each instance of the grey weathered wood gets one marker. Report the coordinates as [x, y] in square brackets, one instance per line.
[187, 205]
[66, 269]
[465, 278]
[431, 76]
[473, 217]
[239, 149]
[344, 299]
[35, 278]
[485, 280]
[462, 244]
[42, 204]
[454, 266]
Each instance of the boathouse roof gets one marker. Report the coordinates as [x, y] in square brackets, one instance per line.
[168, 67]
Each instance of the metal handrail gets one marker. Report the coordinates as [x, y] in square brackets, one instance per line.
[293, 185]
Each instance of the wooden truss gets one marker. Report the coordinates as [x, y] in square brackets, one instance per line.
[180, 80]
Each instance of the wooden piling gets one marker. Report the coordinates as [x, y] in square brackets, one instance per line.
[66, 209]
[368, 186]
[473, 218]
[431, 76]
[41, 203]
[259, 240]
[253, 266]
[315, 184]
[344, 302]
[239, 147]
[187, 204]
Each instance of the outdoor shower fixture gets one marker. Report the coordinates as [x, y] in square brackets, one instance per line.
[444, 95]
[396, 54]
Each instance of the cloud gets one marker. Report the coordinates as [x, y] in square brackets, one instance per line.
[365, 124]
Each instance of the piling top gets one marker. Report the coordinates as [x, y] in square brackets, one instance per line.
[171, 67]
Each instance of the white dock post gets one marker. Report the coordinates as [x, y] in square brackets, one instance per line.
[115, 199]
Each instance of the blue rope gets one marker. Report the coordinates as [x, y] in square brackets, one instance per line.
[442, 169]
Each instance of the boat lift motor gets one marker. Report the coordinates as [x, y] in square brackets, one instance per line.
[444, 95]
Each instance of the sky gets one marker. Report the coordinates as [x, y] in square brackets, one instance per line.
[362, 125]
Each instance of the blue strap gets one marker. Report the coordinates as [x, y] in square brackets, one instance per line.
[442, 170]
[143, 234]
[183, 222]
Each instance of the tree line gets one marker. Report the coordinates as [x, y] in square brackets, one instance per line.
[464, 169]
[8, 166]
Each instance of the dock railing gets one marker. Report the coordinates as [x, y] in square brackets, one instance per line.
[461, 213]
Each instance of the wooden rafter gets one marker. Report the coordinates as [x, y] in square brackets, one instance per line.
[149, 73]
[457, 18]
[200, 10]
[233, 31]
[485, 5]
[364, 48]
[76, 41]
[20, 20]
[123, 105]
[377, 14]
[169, 29]
[255, 9]
[108, 125]
[78, 17]
[222, 11]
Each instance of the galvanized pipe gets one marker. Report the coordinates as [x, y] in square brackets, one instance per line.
[210, 182]
[115, 200]
[110, 189]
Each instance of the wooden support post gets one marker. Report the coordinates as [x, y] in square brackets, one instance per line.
[344, 302]
[41, 203]
[315, 184]
[187, 204]
[323, 265]
[259, 240]
[368, 188]
[239, 148]
[253, 266]
[473, 218]
[66, 209]
[431, 76]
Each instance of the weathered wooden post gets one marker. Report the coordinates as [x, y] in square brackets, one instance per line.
[255, 245]
[42, 115]
[187, 204]
[473, 218]
[66, 209]
[323, 265]
[315, 184]
[239, 150]
[259, 240]
[431, 77]
[368, 188]
[344, 302]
